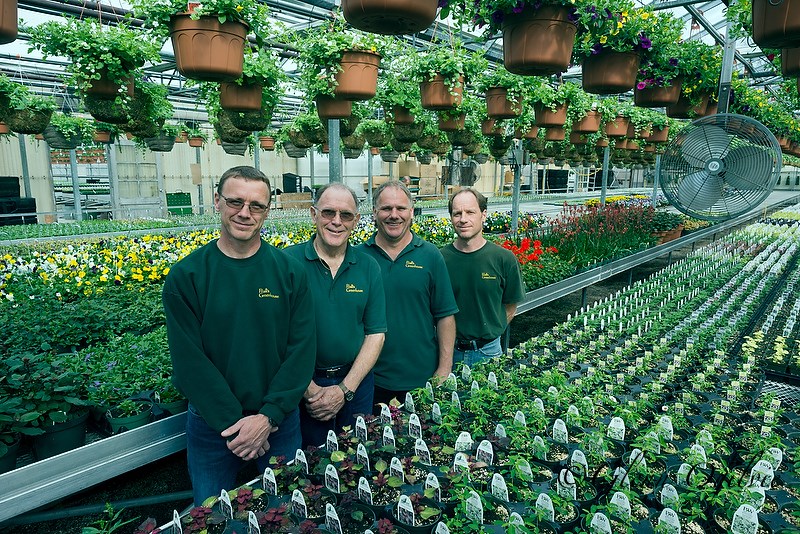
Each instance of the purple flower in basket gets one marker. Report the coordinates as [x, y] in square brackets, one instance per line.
[519, 7]
[609, 14]
[641, 85]
[572, 15]
[644, 42]
[498, 17]
[596, 49]
[673, 61]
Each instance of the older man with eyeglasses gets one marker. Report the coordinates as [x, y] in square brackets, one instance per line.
[351, 316]
[241, 332]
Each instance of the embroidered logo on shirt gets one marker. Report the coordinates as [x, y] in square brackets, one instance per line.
[351, 288]
[487, 276]
[265, 293]
[411, 265]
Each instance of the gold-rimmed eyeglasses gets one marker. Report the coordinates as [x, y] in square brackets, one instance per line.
[255, 208]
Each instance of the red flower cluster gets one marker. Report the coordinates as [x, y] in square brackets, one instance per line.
[528, 250]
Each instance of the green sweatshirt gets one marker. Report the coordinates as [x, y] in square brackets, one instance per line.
[241, 333]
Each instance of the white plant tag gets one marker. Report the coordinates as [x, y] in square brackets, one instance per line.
[600, 524]
[560, 434]
[669, 496]
[451, 382]
[745, 520]
[364, 491]
[524, 467]
[665, 427]
[616, 429]
[177, 528]
[388, 437]
[774, 456]
[637, 461]
[464, 442]
[396, 469]
[409, 403]
[460, 462]
[492, 380]
[578, 463]
[621, 505]
[516, 520]
[332, 519]
[538, 405]
[545, 505]
[300, 458]
[500, 431]
[268, 482]
[475, 507]
[573, 415]
[225, 505]
[539, 447]
[621, 479]
[361, 429]
[331, 443]
[454, 398]
[485, 452]
[431, 481]
[519, 418]
[552, 391]
[252, 523]
[332, 478]
[466, 373]
[442, 528]
[683, 474]
[429, 386]
[299, 507]
[705, 439]
[362, 457]
[565, 485]
[588, 405]
[498, 487]
[698, 454]
[422, 451]
[405, 510]
[386, 415]
[436, 413]
[475, 386]
[414, 426]
[762, 473]
[754, 496]
[669, 522]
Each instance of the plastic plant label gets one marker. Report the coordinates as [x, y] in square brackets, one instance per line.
[331, 443]
[719, 419]
[524, 467]
[616, 429]
[475, 507]
[725, 405]
[500, 431]
[600, 524]
[669, 522]
[775, 404]
[466, 373]
[362, 457]
[442, 528]
[386, 415]
[637, 461]
[432, 482]
[225, 505]
[769, 417]
[177, 528]
[669, 496]
[422, 451]
[653, 442]
[665, 427]
[268, 482]
[621, 505]
[683, 474]
[492, 380]
[679, 408]
[475, 386]
[745, 520]
[544, 504]
[736, 385]
[774, 456]
[560, 434]
[621, 479]
[436, 413]
[639, 362]
[332, 478]
[364, 491]
[698, 456]
[485, 452]
[299, 507]
[409, 403]
[454, 398]
[762, 473]
[361, 429]
[252, 523]
[388, 437]
[414, 426]
[754, 496]
[464, 442]
[450, 382]
[460, 462]
[766, 431]
[730, 394]
[591, 371]
[516, 520]
[498, 487]
[405, 510]
[519, 417]
[429, 387]
[539, 447]
[578, 463]
[332, 519]
[573, 415]
[565, 485]
[396, 469]
[562, 365]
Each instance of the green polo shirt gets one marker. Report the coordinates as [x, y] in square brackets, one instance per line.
[347, 307]
[483, 282]
[418, 294]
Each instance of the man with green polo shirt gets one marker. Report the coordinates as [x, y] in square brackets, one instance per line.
[419, 297]
[240, 327]
[486, 278]
[350, 308]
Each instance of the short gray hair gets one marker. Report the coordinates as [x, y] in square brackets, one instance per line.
[335, 185]
[391, 183]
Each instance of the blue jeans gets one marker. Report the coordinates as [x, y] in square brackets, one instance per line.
[472, 357]
[315, 432]
[213, 467]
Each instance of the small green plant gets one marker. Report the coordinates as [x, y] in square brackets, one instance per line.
[108, 524]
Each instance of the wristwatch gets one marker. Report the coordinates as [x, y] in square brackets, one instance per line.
[348, 395]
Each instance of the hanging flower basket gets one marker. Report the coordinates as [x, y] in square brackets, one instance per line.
[28, 121]
[658, 136]
[206, 49]
[196, 142]
[423, 157]
[55, 139]
[333, 108]
[298, 139]
[577, 138]
[538, 42]
[105, 88]
[407, 133]
[790, 62]
[546, 117]
[266, 142]
[610, 72]
[235, 149]
[228, 132]
[8, 21]
[451, 123]
[436, 95]
[658, 97]
[590, 123]
[4, 129]
[160, 143]
[499, 106]
[555, 133]
[245, 97]
[683, 108]
[294, 151]
[358, 79]
[402, 115]
[390, 156]
[352, 153]
[106, 109]
[460, 137]
[776, 24]
[390, 17]
[618, 127]
[248, 121]
[488, 128]
[640, 133]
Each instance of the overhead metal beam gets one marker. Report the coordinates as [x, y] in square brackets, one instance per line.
[669, 4]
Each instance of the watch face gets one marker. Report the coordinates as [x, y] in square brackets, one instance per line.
[349, 395]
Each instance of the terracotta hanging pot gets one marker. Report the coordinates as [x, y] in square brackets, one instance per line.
[402, 115]
[621, 144]
[436, 95]
[538, 42]
[555, 133]
[266, 142]
[641, 133]
[451, 123]
[245, 97]
[333, 108]
[195, 142]
[790, 62]
[657, 97]
[602, 142]
[683, 109]
[545, 117]
[101, 136]
[105, 88]
[590, 123]
[632, 145]
[618, 127]
[711, 108]
[658, 136]
[206, 49]
[374, 150]
[488, 128]
[610, 72]
[776, 23]
[390, 17]
[358, 79]
[8, 21]
[499, 106]
[532, 133]
[577, 138]
[4, 129]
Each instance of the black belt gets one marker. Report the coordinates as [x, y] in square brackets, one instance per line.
[465, 345]
[339, 371]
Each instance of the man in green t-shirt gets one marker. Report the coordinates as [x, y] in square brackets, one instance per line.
[241, 333]
[419, 299]
[486, 278]
[350, 308]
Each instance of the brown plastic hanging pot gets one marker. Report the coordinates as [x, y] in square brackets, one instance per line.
[610, 72]
[546, 117]
[436, 94]
[555, 133]
[683, 109]
[500, 106]
[358, 79]
[776, 23]
[390, 17]
[8, 21]
[618, 127]
[590, 123]
[538, 42]
[333, 108]
[206, 49]
[658, 97]
[790, 62]
[245, 97]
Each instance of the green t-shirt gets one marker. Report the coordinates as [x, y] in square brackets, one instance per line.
[347, 307]
[418, 294]
[483, 281]
[241, 333]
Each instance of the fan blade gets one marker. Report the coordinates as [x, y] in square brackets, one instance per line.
[748, 167]
[699, 191]
[704, 143]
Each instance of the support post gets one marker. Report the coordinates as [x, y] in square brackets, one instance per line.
[370, 155]
[162, 199]
[335, 153]
[76, 188]
[113, 179]
[200, 199]
[26, 175]
[657, 172]
[518, 157]
[604, 185]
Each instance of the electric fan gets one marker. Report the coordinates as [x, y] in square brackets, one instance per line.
[720, 166]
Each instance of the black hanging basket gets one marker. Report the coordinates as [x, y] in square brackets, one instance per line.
[28, 121]
[294, 151]
[106, 110]
[235, 149]
[160, 143]
[248, 121]
[56, 139]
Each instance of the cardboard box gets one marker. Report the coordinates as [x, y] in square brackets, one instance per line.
[407, 168]
[295, 200]
[376, 181]
[428, 182]
[429, 171]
